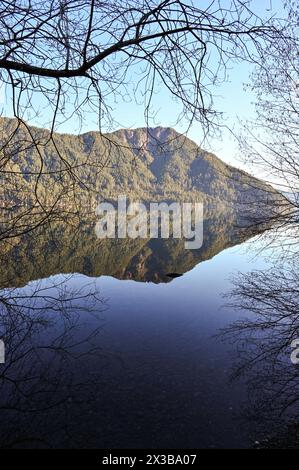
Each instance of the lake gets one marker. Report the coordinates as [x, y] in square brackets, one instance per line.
[118, 344]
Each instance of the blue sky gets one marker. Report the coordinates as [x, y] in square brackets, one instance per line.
[231, 99]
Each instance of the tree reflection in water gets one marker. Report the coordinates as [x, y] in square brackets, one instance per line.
[45, 385]
[263, 341]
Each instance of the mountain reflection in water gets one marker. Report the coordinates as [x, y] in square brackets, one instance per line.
[93, 361]
[65, 248]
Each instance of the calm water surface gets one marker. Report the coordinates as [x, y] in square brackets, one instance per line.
[126, 360]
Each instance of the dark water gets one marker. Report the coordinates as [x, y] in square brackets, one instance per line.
[105, 349]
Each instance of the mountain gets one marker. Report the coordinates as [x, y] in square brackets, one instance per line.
[50, 186]
[149, 164]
